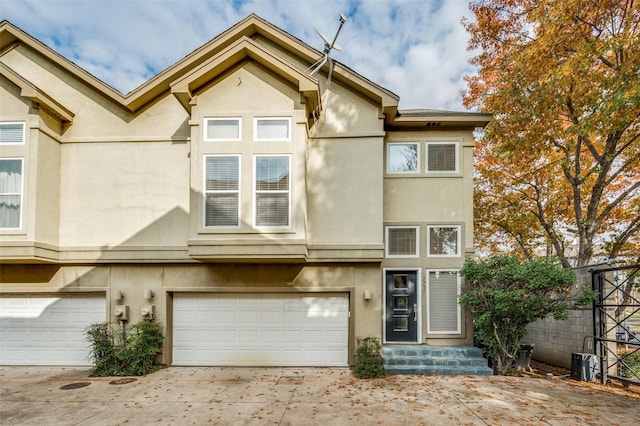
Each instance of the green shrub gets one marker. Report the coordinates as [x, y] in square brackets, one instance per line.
[126, 351]
[630, 364]
[368, 359]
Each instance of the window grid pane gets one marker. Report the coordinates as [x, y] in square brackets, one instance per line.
[272, 191]
[443, 240]
[223, 129]
[12, 133]
[441, 157]
[402, 242]
[272, 129]
[222, 175]
[10, 193]
[402, 158]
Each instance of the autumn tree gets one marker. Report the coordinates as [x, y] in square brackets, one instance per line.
[558, 168]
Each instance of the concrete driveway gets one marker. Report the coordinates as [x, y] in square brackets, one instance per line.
[302, 396]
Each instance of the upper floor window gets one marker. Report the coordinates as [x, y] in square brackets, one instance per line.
[272, 190]
[272, 129]
[442, 157]
[10, 193]
[223, 129]
[443, 241]
[402, 158]
[11, 133]
[402, 241]
[222, 191]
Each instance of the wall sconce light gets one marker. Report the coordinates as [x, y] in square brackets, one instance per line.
[117, 295]
[367, 294]
[148, 294]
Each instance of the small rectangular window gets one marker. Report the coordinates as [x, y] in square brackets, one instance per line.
[272, 191]
[442, 157]
[272, 129]
[443, 241]
[443, 310]
[222, 129]
[11, 193]
[402, 241]
[12, 133]
[402, 158]
[222, 191]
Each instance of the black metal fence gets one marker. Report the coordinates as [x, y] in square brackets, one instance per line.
[616, 322]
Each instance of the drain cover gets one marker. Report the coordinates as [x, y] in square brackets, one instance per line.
[122, 381]
[75, 385]
[290, 380]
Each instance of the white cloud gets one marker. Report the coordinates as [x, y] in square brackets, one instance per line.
[415, 48]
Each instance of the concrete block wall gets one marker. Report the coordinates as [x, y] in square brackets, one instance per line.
[555, 341]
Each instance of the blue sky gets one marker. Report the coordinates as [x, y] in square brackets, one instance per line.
[415, 48]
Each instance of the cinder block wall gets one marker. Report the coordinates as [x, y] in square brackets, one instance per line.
[555, 341]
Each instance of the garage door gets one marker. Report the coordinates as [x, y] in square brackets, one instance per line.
[261, 330]
[47, 330]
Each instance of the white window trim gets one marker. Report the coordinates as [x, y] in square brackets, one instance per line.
[20, 216]
[255, 129]
[204, 191]
[255, 193]
[24, 133]
[396, 256]
[417, 171]
[442, 142]
[458, 240]
[458, 308]
[205, 134]
[418, 301]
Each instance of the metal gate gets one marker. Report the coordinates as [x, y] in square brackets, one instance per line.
[616, 322]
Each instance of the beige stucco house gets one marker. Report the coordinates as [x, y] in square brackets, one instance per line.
[263, 215]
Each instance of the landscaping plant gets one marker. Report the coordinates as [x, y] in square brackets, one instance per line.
[126, 351]
[505, 294]
[368, 359]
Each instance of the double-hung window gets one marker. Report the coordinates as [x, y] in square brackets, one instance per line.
[272, 129]
[442, 157]
[272, 191]
[222, 129]
[443, 241]
[11, 172]
[402, 241]
[403, 158]
[222, 191]
[443, 309]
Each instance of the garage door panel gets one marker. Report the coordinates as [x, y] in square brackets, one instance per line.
[271, 329]
[47, 330]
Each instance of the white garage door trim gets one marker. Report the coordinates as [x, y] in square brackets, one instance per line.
[48, 330]
[222, 329]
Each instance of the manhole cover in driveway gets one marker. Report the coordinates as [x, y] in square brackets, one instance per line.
[122, 381]
[290, 380]
[75, 385]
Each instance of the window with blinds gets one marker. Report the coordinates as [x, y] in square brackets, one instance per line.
[222, 191]
[443, 310]
[442, 157]
[272, 190]
[443, 241]
[223, 129]
[272, 129]
[11, 193]
[12, 133]
[402, 241]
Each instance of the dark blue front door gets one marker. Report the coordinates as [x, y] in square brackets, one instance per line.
[402, 306]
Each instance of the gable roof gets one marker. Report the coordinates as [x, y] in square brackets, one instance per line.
[211, 54]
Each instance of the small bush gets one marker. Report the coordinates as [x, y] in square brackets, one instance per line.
[368, 359]
[124, 351]
[630, 364]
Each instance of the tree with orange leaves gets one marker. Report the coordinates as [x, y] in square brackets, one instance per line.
[558, 168]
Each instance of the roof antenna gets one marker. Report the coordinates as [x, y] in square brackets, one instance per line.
[328, 46]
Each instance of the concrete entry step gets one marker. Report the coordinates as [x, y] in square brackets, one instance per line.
[434, 360]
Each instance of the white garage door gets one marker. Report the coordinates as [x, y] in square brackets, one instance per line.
[47, 330]
[261, 330]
